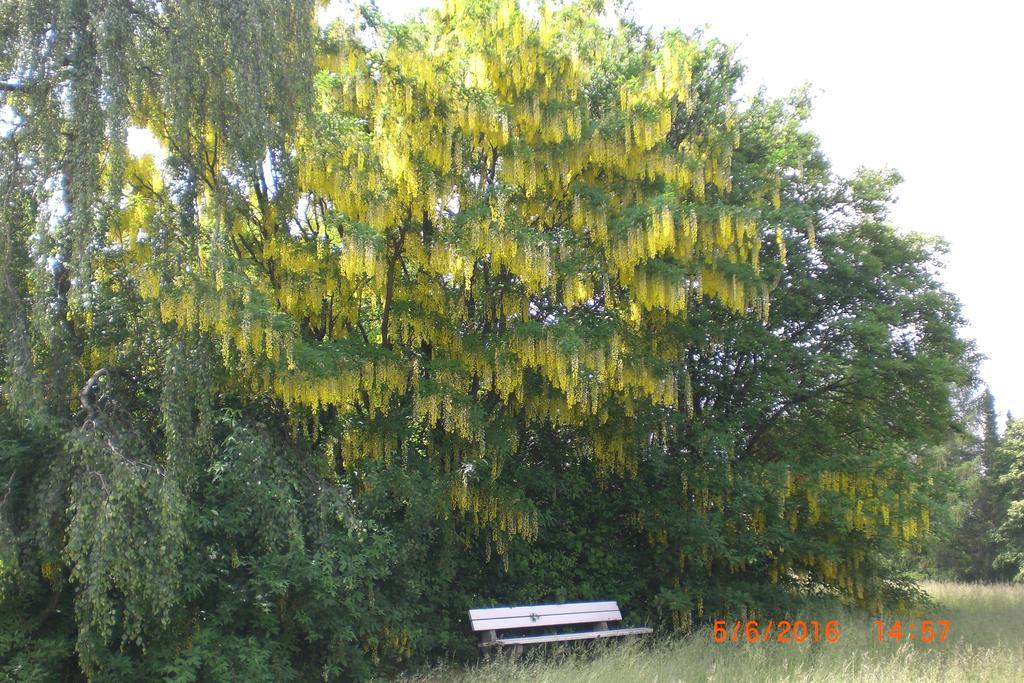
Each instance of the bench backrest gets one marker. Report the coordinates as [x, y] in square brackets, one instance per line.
[530, 616]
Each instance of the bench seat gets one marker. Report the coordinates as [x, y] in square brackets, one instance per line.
[558, 637]
[491, 622]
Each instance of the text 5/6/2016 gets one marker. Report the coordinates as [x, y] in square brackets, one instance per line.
[783, 631]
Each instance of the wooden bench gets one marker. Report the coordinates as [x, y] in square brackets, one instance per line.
[491, 622]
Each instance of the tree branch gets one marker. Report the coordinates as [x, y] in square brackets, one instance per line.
[769, 420]
[389, 289]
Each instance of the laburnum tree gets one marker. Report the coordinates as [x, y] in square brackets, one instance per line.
[403, 318]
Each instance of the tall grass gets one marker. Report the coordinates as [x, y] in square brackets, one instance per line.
[985, 643]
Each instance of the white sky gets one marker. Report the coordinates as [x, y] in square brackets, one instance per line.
[928, 88]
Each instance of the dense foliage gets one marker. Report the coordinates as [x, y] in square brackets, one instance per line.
[494, 305]
[966, 544]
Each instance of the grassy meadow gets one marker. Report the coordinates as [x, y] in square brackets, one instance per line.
[985, 642]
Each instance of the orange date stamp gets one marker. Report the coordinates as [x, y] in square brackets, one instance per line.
[926, 631]
[783, 631]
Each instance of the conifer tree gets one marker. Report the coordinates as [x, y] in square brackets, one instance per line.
[1010, 532]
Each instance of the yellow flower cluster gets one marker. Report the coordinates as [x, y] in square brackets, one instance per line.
[488, 509]
[376, 382]
[650, 291]
[611, 453]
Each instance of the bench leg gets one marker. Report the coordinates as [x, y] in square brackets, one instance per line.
[488, 651]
